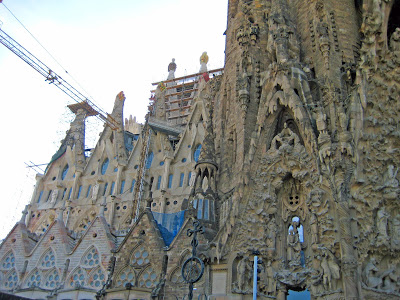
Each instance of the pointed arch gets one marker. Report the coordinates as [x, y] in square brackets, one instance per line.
[47, 260]
[77, 278]
[140, 256]
[97, 278]
[147, 278]
[125, 275]
[281, 95]
[34, 279]
[8, 261]
[52, 279]
[44, 223]
[90, 258]
[176, 276]
[10, 280]
[85, 220]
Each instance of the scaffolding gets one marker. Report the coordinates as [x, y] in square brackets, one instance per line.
[179, 95]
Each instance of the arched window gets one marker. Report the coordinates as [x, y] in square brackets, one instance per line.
[11, 280]
[34, 278]
[64, 172]
[127, 275]
[148, 278]
[53, 279]
[97, 278]
[8, 261]
[196, 153]
[122, 187]
[48, 260]
[104, 166]
[149, 160]
[91, 258]
[140, 256]
[88, 191]
[77, 278]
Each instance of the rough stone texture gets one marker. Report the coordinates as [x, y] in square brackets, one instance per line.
[299, 162]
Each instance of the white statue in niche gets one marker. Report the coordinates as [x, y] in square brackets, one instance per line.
[54, 195]
[95, 191]
[294, 246]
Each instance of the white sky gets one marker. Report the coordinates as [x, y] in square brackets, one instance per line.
[108, 47]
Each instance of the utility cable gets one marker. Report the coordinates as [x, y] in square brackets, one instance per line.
[47, 51]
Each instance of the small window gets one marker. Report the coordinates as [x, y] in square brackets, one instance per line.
[40, 196]
[161, 163]
[189, 176]
[105, 189]
[122, 187]
[48, 196]
[206, 211]
[69, 194]
[63, 195]
[159, 182]
[104, 166]
[183, 160]
[196, 153]
[170, 177]
[181, 179]
[200, 209]
[115, 169]
[133, 185]
[88, 191]
[64, 172]
[112, 187]
[79, 192]
[149, 160]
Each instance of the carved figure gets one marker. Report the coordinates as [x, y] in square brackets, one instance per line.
[371, 278]
[390, 280]
[54, 195]
[294, 247]
[95, 191]
[382, 223]
[243, 273]
[327, 275]
[390, 180]
[271, 234]
[271, 283]
[395, 40]
[314, 229]
[286, 138]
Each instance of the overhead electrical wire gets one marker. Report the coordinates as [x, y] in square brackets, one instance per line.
[47, 51]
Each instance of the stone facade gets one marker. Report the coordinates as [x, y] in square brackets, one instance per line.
[290, 153]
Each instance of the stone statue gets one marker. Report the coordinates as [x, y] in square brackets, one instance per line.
[294, 247]
[171, 69]
[271, 283]
[390, 178]
[271, 234]
[54, 195]
[390, 280]
[314, 229]
[286, 138]
[243, 272]
[382, 223]
[371, 276]
[395, 40]
[95, 191]
[335, 271]
[327, 275]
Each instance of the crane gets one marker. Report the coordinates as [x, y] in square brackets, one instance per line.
[53, 78]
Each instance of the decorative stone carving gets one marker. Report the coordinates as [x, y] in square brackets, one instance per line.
[382, 219]
[271, 233]
[293, 246]
[395, 40]
[243, 275]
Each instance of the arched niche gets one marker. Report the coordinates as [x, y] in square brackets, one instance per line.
[393, 20]
[286, 117]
